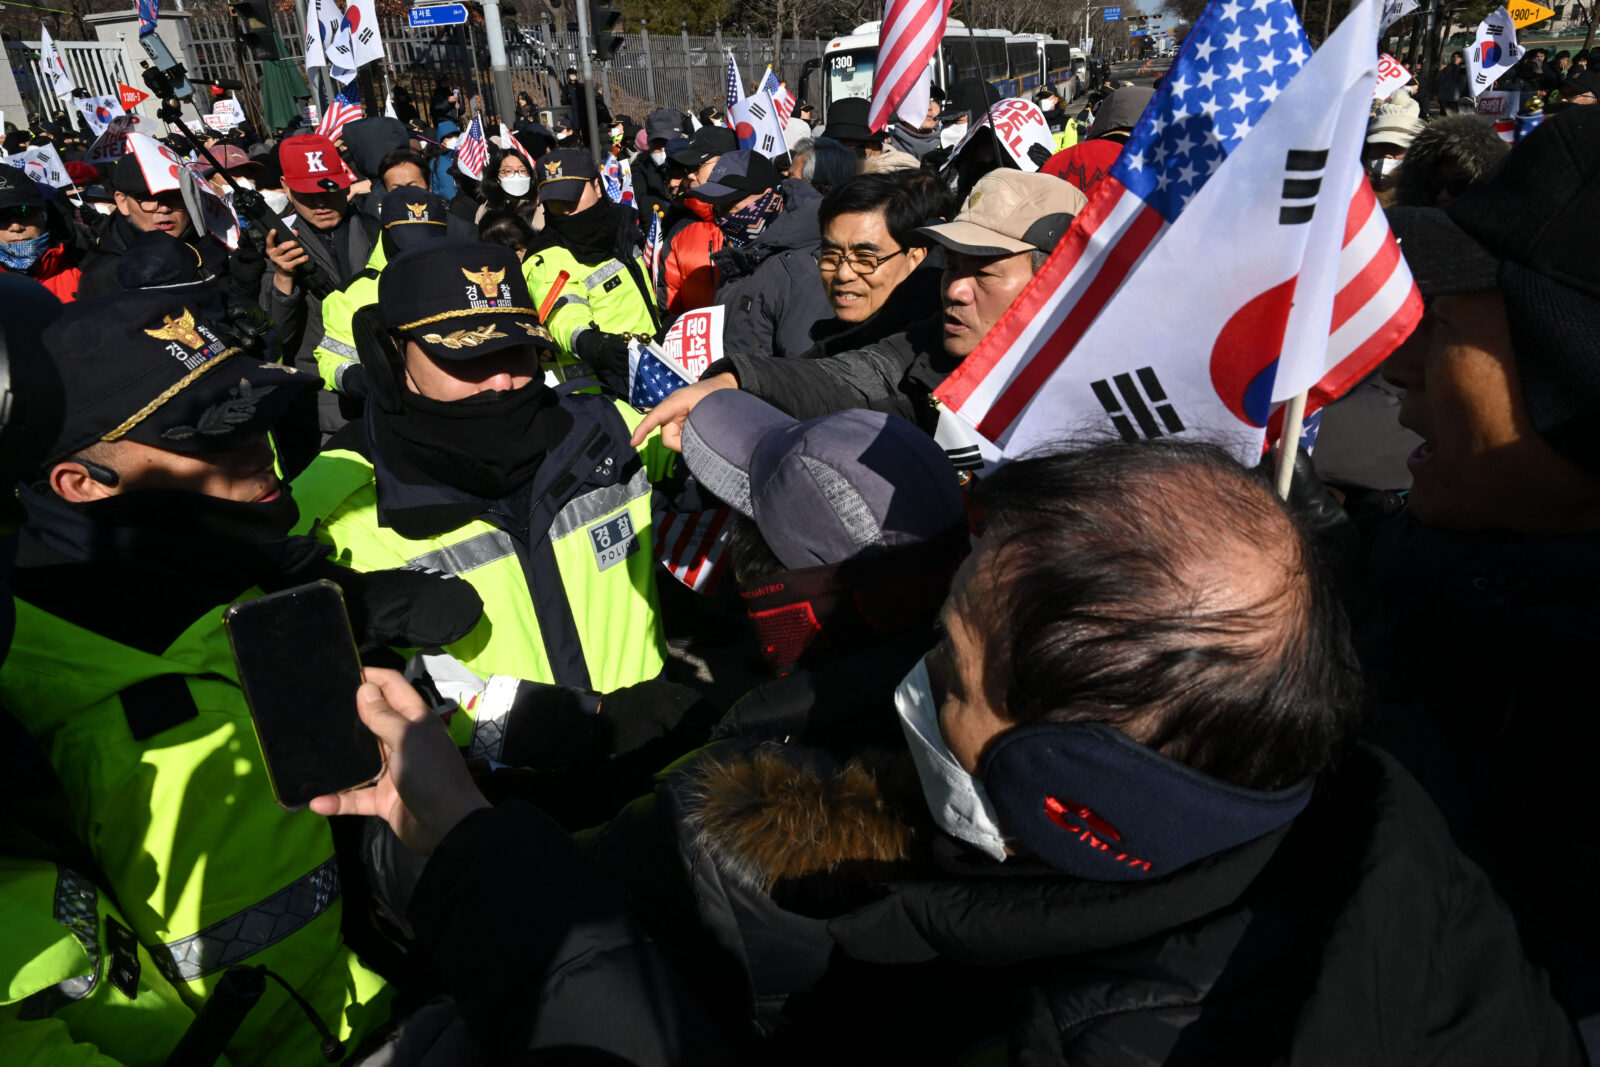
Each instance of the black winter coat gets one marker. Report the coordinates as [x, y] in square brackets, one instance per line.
[105, 252]
[854, 933]
[559, 971]
[770, 286]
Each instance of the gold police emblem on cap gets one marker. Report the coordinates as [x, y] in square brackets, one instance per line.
[464, 338]
[419, 212]
[485, 279]
[181, 330]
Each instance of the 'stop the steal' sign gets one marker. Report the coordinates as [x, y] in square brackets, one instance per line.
[1020, 127]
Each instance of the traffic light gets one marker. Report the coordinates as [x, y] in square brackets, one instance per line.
[255, 28]
[603, 22]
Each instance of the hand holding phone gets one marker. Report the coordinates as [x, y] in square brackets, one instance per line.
[299, 669]
[426, 788]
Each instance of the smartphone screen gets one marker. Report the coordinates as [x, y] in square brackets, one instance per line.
[161, 55]
[299, 669]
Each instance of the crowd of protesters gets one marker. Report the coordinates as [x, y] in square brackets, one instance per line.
[1106, 756]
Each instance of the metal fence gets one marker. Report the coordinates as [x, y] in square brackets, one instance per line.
[650, 70]
[94, 66]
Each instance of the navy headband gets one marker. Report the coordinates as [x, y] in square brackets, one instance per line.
[1092, 802]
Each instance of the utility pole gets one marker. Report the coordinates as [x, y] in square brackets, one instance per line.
[582, 7]
[1430, 59]
[499, 70]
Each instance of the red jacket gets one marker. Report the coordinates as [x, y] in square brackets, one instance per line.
[689, 273]
[57, 272]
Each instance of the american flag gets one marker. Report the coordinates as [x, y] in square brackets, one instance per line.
[782, 98]
[473, 151]
[343, 109]
[908, 36]
[1280, 278]
[652, 247]
[735, 86]
[693, 545]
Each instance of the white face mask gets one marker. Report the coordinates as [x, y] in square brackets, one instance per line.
[1386, 167]
[277, 201]
[616, 132]
[449, 144]
[245, 183]
[959, 804]
[1049, 104]
[659, 157]
[102, 208]
[516, 184]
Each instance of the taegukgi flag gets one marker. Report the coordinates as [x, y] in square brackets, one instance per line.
[1234, 259]
[1494, 51]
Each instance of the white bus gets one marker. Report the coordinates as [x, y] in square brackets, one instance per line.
[1013, 64]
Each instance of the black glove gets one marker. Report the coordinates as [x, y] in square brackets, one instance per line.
[1039, 154]
[607, 356]
[406, 608]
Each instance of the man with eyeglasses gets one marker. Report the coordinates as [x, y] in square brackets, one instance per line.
[993, 248]
[141, 211]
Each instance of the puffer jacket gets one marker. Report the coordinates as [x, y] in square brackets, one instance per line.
[57, 270]
[770, 286]
[690, 276]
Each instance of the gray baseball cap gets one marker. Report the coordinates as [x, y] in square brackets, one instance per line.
[852, 484]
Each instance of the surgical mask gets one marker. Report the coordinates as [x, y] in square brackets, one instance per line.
[22, 255]
[960, 806]
[244, 183]
[449, 144]
[659, 158]
[277, 201]
[516, 184]
[102, 207]
[1381, 169]
[616, 133]
[1048, 104]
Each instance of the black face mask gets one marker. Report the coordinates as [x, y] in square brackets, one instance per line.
[590, 234]
[488, 445]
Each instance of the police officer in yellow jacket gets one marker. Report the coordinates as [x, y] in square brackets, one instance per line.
[408, 216]
[591, 284]
[157, 508]
[467, 462]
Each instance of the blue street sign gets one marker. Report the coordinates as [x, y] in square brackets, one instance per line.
[1138, 33]
[1113, 14]
[437, 15]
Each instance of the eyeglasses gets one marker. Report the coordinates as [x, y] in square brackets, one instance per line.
[863, 263]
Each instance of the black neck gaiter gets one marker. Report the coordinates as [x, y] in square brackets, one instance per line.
[590, 234]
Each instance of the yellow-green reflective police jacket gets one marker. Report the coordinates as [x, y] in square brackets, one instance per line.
[607, 296]
[79, 989]
[569, 593]
[160, 764]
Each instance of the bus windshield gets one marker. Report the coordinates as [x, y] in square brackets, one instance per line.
[850, 74]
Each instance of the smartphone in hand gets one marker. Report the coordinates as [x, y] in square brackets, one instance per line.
[299, 669]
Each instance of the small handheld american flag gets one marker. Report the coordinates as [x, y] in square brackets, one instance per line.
[343, 109]
[735, 86]
[473, 151]
[652, 248]
[782, 98]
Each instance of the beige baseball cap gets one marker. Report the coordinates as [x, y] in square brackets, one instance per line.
[1008, 212]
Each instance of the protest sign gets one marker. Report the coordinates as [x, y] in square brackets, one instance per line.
[1021, 129]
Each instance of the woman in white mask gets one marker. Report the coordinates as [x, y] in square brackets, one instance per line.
[507, 183]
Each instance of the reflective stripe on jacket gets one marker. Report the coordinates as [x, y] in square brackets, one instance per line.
[78, 987]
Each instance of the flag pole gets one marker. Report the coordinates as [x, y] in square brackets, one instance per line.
[1294, 417]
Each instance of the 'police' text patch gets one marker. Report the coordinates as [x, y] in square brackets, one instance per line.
[614, 541]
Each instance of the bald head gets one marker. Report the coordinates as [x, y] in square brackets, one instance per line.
[1162, 589]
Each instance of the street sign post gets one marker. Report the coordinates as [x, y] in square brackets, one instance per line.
[437, 15]
[1525, 13]
[1112, 14]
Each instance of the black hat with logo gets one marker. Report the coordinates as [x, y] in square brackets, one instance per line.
[174, 383]
[564, 172]
[708, 142]
[410, 216]
[459, 300]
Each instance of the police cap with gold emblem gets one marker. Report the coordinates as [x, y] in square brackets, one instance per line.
[410, 216]
[145, 366]
[564, 172]
[459, 300]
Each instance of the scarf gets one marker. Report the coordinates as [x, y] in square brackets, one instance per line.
[741, 227]
[590, 234]
[488, 445]
[22, 255]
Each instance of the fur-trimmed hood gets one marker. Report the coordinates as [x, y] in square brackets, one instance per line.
[1467, 140]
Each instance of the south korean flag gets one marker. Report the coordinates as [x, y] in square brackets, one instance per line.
[755, 120]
